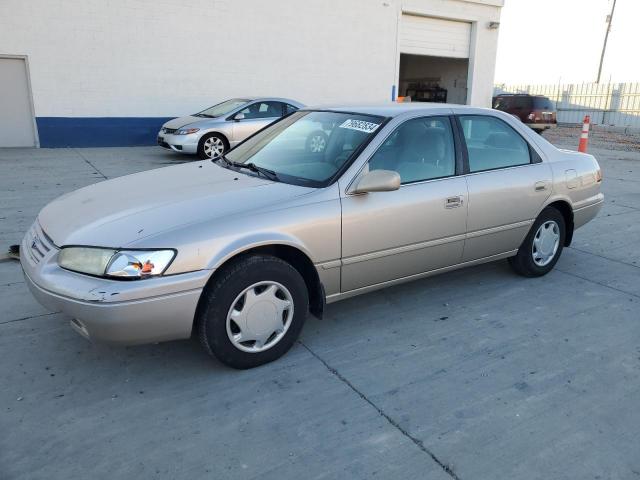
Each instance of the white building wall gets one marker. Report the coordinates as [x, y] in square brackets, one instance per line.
[160, 58]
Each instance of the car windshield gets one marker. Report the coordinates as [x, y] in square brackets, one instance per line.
[308, 147]
[222, 108]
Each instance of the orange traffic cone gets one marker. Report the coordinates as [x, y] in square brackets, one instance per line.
[584, 136]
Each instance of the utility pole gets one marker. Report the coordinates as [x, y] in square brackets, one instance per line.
[606, 37]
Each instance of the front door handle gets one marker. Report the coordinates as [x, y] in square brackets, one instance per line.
[540, 186]
[453, 202]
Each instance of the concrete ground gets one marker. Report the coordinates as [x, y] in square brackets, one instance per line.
[475, 374]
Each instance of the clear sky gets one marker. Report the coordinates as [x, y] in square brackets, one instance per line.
[547, 41]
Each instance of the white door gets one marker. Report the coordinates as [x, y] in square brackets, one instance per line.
[16, 118]
[434, 36]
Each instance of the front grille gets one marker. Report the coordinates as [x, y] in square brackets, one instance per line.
[38, 243]
[169, 131]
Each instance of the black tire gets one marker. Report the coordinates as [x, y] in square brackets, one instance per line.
[523, 263]
[216, 300]
[316, 142]
[201, 145]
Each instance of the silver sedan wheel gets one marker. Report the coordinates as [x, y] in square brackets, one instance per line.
[213, 147]
[317, 144]
[260, 316]
[545, 243]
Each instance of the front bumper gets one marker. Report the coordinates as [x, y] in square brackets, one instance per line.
[112, 311]
[179, 143]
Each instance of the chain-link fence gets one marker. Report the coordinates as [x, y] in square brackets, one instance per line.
[616, 104]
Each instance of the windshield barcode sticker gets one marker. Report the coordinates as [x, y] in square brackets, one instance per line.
[360, 125]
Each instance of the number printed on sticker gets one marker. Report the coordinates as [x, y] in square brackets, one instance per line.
[360, 125]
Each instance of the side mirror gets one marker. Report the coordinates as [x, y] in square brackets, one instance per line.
[238, 117]
[378, 181]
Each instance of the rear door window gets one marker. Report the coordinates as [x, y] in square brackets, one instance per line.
[492, 144]
[522, 102]
[542, 103]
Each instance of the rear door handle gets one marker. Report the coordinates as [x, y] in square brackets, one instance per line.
[453, 202]
[540, 186]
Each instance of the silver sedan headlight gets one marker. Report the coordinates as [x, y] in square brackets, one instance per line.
[186, 131]
[123, 264]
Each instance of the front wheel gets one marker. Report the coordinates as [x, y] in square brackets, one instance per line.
[253, 311]
[542, 247]
[212, 145]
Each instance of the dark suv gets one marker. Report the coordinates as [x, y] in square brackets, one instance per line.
[534, 110]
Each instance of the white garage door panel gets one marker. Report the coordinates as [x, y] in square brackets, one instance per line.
[16, 121]
[434, 36]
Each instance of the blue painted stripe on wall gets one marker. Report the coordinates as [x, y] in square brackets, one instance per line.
[98, 131]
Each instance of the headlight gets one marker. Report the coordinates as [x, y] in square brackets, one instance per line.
[186, 131]
[93, 261]
[106, 262]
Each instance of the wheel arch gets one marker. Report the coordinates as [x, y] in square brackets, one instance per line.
[217, 132]
[286, 250]
[564, 207]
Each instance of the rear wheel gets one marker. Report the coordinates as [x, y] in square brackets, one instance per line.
[212, 145]
[542, 247]
[253, 311]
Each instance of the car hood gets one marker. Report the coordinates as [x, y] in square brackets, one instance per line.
[117, 213]
[190, 120]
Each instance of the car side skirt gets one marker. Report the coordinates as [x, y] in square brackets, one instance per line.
[359, 291]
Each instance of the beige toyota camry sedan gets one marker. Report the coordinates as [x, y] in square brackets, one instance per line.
[238, 250]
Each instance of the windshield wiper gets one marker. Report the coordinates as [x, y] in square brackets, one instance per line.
[270, 174]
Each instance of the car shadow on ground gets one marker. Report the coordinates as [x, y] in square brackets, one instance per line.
[414, 315]
[438, 298]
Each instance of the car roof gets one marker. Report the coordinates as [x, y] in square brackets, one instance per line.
[390, 109]
[519, 95]
[272, 99]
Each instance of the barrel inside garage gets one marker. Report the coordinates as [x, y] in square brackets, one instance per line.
[434, 59]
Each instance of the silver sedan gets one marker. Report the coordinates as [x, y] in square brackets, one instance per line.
[238, 250]
[215, 130]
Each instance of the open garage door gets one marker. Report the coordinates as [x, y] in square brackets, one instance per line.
[434, 59]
